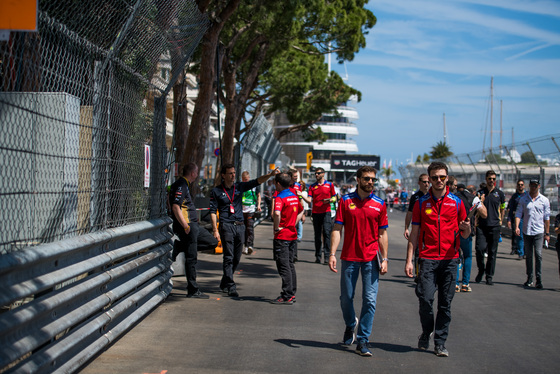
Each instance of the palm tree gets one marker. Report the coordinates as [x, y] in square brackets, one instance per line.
[440, 151]
[387, 172]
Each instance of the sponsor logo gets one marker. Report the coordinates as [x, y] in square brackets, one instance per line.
[449, 204]
[352, 206]
[428, 205]
[374, 207]
[428, 211]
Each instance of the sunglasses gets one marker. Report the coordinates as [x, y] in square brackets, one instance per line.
[440, 177]
[490, 179]
[424, 181]
[367, 179]
[319, 173]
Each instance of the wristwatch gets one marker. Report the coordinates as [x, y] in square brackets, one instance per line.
[384, 259]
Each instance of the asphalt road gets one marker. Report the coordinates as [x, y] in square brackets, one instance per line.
[503, 328]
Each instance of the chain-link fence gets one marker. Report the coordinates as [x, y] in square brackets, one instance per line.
[78, 104]
[535, 158]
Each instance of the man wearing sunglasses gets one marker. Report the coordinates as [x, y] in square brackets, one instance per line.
[364, 218]
[438, 218]
[319, 195]
[488, 230]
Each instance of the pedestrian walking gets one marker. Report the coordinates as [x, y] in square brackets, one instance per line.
[320, 194]
[534, 210]
[488, 229]
[516, 240]
[438, 217]
[251, 204]
[185, 226]
[287, 212]
[363, 216]
[227, 200]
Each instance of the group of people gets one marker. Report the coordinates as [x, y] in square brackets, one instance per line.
[443, 217]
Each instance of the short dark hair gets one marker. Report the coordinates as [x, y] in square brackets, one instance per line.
[320, 169]
[284, 179]
[189, 168]
[490, 172]
[520, 180]
[422, 176]
[365, 169]
[227, 166]
[436, 165]
[451, 180]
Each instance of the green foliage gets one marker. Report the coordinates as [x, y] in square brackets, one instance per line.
[392, 183]
[493, 158]
[528, 158]
[425, 158]
[311, 135]
[387, 173]
[440, 151]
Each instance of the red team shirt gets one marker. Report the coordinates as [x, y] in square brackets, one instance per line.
[439, 225]
[287, 203]
[362, 220]
[319, 192]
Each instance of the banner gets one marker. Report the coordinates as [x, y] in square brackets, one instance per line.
[343, 162]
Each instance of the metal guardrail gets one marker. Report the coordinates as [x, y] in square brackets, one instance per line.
[68, 300]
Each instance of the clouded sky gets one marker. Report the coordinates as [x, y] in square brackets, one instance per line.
[429, 57]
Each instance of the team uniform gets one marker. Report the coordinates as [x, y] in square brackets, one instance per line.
[438, 259]
[362, 220]
[321, 213]
[188, 243]
[284, 244]
[228, 202]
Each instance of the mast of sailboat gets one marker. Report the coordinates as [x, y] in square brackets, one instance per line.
[491, 110]
[444, 131]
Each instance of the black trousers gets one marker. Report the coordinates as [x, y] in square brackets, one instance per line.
[233, 238]
[487, 239]
[188, 243]
[249, 229]
[284, 256]
[322, 225]
[437, 275]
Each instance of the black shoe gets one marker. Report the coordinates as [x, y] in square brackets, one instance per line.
[440, 351]
[198, 295]
[539, 286]
[478, 277]
[233, 292]
[513, 252]
[424, 341]
[280, 300]
[349, 336]
[529, 283]
[318, 261]
[363, 350]
[489, 282]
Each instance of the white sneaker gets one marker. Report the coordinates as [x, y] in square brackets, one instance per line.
[250, 250]
[245, 251]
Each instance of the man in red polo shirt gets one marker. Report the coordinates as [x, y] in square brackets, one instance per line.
[438, 217]
[320, 194]
[364, 217]
[287, 212]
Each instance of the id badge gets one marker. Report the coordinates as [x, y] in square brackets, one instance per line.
[231, 210]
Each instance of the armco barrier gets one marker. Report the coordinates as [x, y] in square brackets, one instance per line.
[69, 299]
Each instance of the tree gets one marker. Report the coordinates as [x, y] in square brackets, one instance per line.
[440, 151]
[387, 172]
[259, 37]
[528, 158]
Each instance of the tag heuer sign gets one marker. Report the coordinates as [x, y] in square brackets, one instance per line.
[353, 162]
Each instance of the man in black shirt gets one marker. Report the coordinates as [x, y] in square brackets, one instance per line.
[488, 230]
[227, 200]
[185, 226]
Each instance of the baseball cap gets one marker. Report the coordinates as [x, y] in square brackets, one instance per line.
[534, 181]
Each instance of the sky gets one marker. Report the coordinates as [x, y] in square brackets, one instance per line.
[425, 58]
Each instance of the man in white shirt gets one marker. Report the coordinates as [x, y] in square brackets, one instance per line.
[534, 210]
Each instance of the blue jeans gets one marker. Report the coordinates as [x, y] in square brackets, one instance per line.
[370, 282]
[466, 248]
[517, 242]
[533, 244]
[299, 228]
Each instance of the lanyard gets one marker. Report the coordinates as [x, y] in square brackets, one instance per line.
[231, 209]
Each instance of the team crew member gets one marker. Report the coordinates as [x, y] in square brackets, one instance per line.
[185, 226]
[534, 210]
[287, 212]
[438, 218]
[423, 186]
[488, 230]
[320, 195]
[227, 199]
[364, 217]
